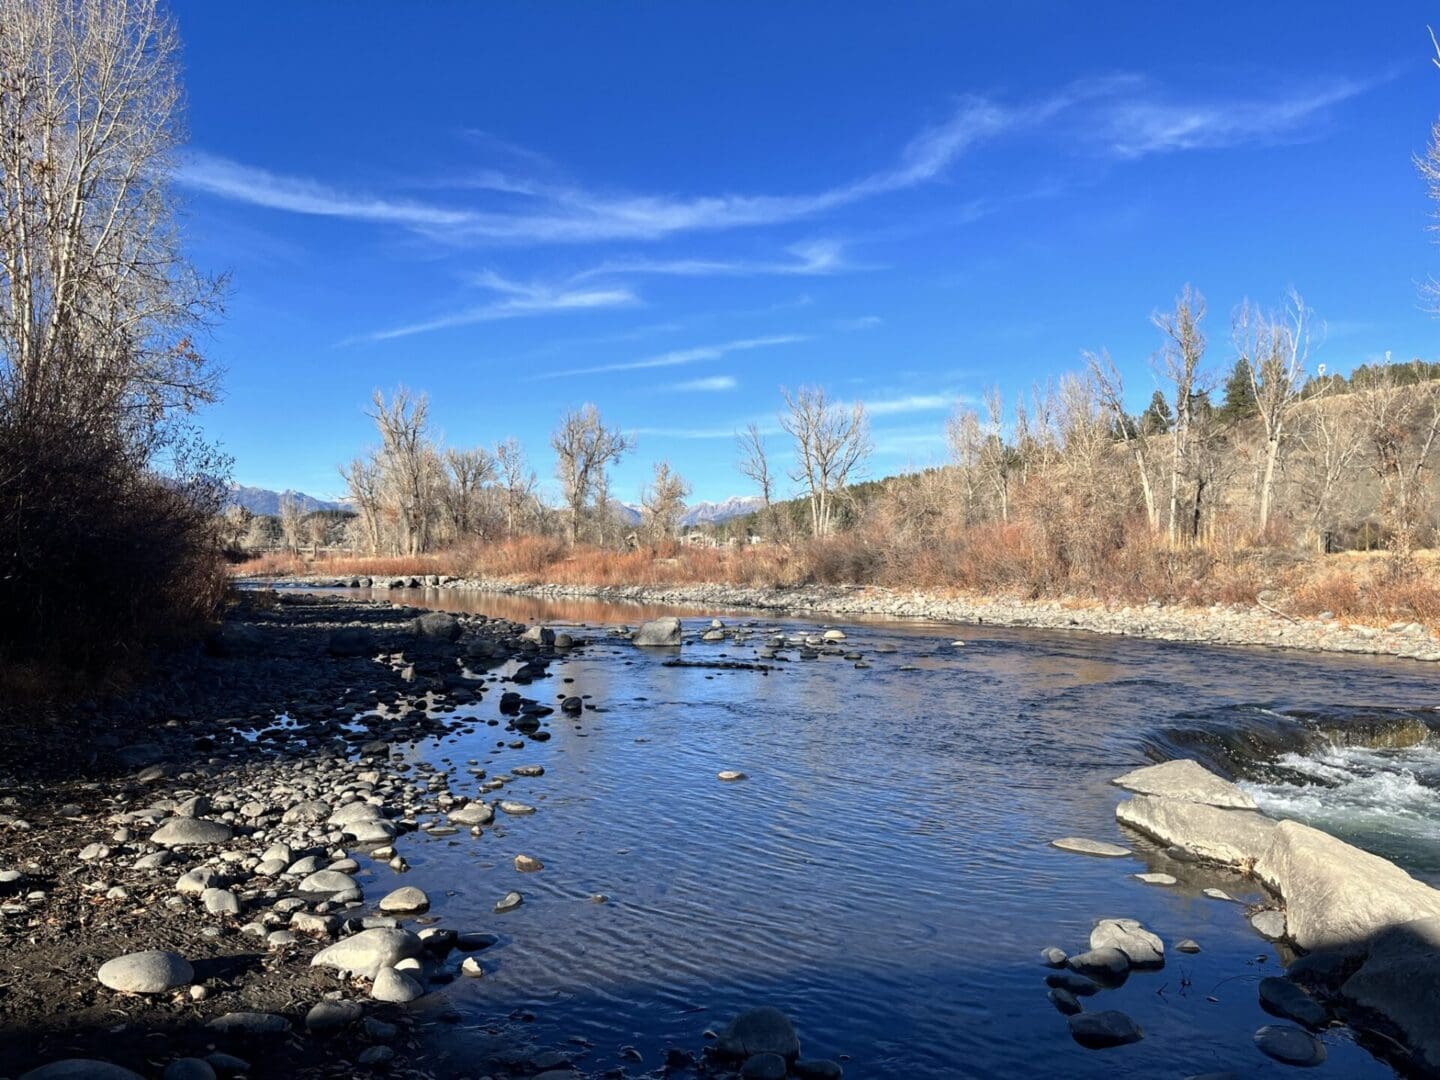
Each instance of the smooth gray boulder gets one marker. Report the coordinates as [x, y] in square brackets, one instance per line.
[250, 1024]
[1337, 896]
[475, 813]
[405, 900]
[1144, 949]
[1107, 964]
[1400, 980]
[359, 810]
[151, 972]
[659, 632]
[327, 882]
[332, 1015]
[765, 1030]
[1233, 837]
[1188, 780]
[189, 1069]
[539, 635]
[191, 832]
[368, 951]
[394, 986]
[80, 1069]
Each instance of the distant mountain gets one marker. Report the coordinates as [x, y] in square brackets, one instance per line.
[264, 501]
[701, 513]
[713, 513]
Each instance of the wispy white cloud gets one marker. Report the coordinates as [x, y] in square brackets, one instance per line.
[1124, 115]
[911, 403]
[817, 257]
[519, 299]
[679, 357]
[861, 322]
[708, 384]
[1139, 127]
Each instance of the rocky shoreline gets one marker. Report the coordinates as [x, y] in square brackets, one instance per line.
[204, 877]
[1233, 624]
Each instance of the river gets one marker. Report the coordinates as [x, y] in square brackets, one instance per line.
[884, 874]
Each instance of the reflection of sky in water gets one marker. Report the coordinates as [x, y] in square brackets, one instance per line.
[883, 875]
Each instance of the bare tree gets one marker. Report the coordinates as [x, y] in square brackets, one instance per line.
[1179, 362]
[831, 444]
[966, 440]
[517, 482]
[467, 473]
[1401, 424]
[290, 523]
[995, 458]
[409, 464]
[663, 502]
[584, 449]
[365, 485]
[1331, 439]
[755, 464]
[97, 304]
[1275, 350]
[1111, 389]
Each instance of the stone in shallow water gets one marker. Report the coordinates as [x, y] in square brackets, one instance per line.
[1156, 879]
[528, 864]
[730, 775]
[1290, 1045]
[1107, 964]
[1187, 945]
[764, 1067]
[1082, 846]
[1281, 997]
[765, 1030]
[1053, 957]
[1140, 946]
[151, 972]
[405, 900]
[1064, 1000]
[1269, 924]
[395, 986]
[1099, 1030]
[1220, 894]
[509, 902]
[1076, 984]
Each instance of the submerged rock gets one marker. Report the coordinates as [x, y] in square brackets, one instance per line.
[1283, 998]
[1290, 1045]
[1099, 1030]
[1080, 845]
[765, 1030]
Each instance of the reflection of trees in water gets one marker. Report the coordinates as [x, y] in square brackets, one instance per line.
[538, 609]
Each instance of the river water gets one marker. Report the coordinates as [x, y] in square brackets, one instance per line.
[884, 875]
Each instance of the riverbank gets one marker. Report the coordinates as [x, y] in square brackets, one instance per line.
[206, 875]
[1228, 624]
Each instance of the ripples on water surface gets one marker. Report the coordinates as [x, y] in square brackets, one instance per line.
[883, 875]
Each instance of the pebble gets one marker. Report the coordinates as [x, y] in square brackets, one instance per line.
[332, 1015]
[1269, 924]
[470, 967]
[528, 864]
[395, 986]
[1053, 957]
[1283, 998]
[1156, 879]
[509, 902]
[1064, 1000]
[730, 775]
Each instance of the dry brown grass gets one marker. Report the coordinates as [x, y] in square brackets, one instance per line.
[1006, 560]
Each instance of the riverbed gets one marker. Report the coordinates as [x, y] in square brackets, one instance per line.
[884, 874]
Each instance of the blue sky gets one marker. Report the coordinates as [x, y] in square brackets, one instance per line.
[671, 210]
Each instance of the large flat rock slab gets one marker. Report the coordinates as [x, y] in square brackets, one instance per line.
[1336, 895]
[1188, 780]
[1233, 837]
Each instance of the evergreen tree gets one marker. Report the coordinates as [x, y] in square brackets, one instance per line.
[1239, 394]
[1156, 420]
